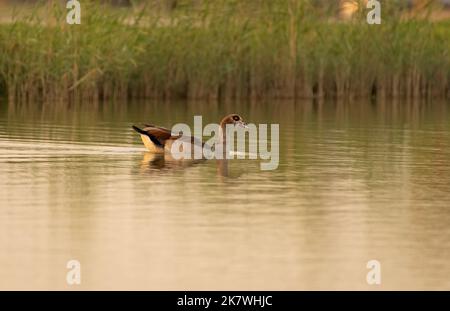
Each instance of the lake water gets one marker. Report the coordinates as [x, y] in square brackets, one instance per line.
[355, 182]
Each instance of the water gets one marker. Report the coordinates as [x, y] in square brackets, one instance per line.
[355, 182]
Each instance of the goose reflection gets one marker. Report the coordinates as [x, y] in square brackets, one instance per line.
[164, 161]
[157, 162]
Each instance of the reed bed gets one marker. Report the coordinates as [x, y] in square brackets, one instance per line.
[221, 49]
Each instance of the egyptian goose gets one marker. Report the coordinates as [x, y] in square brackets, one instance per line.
[159, 139]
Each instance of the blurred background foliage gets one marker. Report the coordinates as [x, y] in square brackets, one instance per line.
[222, 49]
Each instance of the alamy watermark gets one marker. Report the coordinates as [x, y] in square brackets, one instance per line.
[374, 15]
[227, 142]
[373, 277]
[73, 276]
[74, 15]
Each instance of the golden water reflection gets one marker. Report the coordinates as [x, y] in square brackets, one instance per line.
[356, 182]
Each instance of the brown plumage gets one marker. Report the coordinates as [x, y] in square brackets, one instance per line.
[157, 139]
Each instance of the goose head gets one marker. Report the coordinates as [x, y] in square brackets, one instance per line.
[234, 119]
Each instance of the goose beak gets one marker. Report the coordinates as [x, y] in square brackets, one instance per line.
[243, 124]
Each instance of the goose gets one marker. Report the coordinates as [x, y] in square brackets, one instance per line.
[158, 139]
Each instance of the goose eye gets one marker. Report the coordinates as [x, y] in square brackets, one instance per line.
[235, 118]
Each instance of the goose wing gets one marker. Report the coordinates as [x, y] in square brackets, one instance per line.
[158, 135]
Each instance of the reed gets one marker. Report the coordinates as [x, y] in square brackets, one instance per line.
[221, 49]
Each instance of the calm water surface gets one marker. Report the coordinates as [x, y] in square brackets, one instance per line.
[355, 182]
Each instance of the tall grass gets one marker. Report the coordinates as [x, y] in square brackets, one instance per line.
[221, 49]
